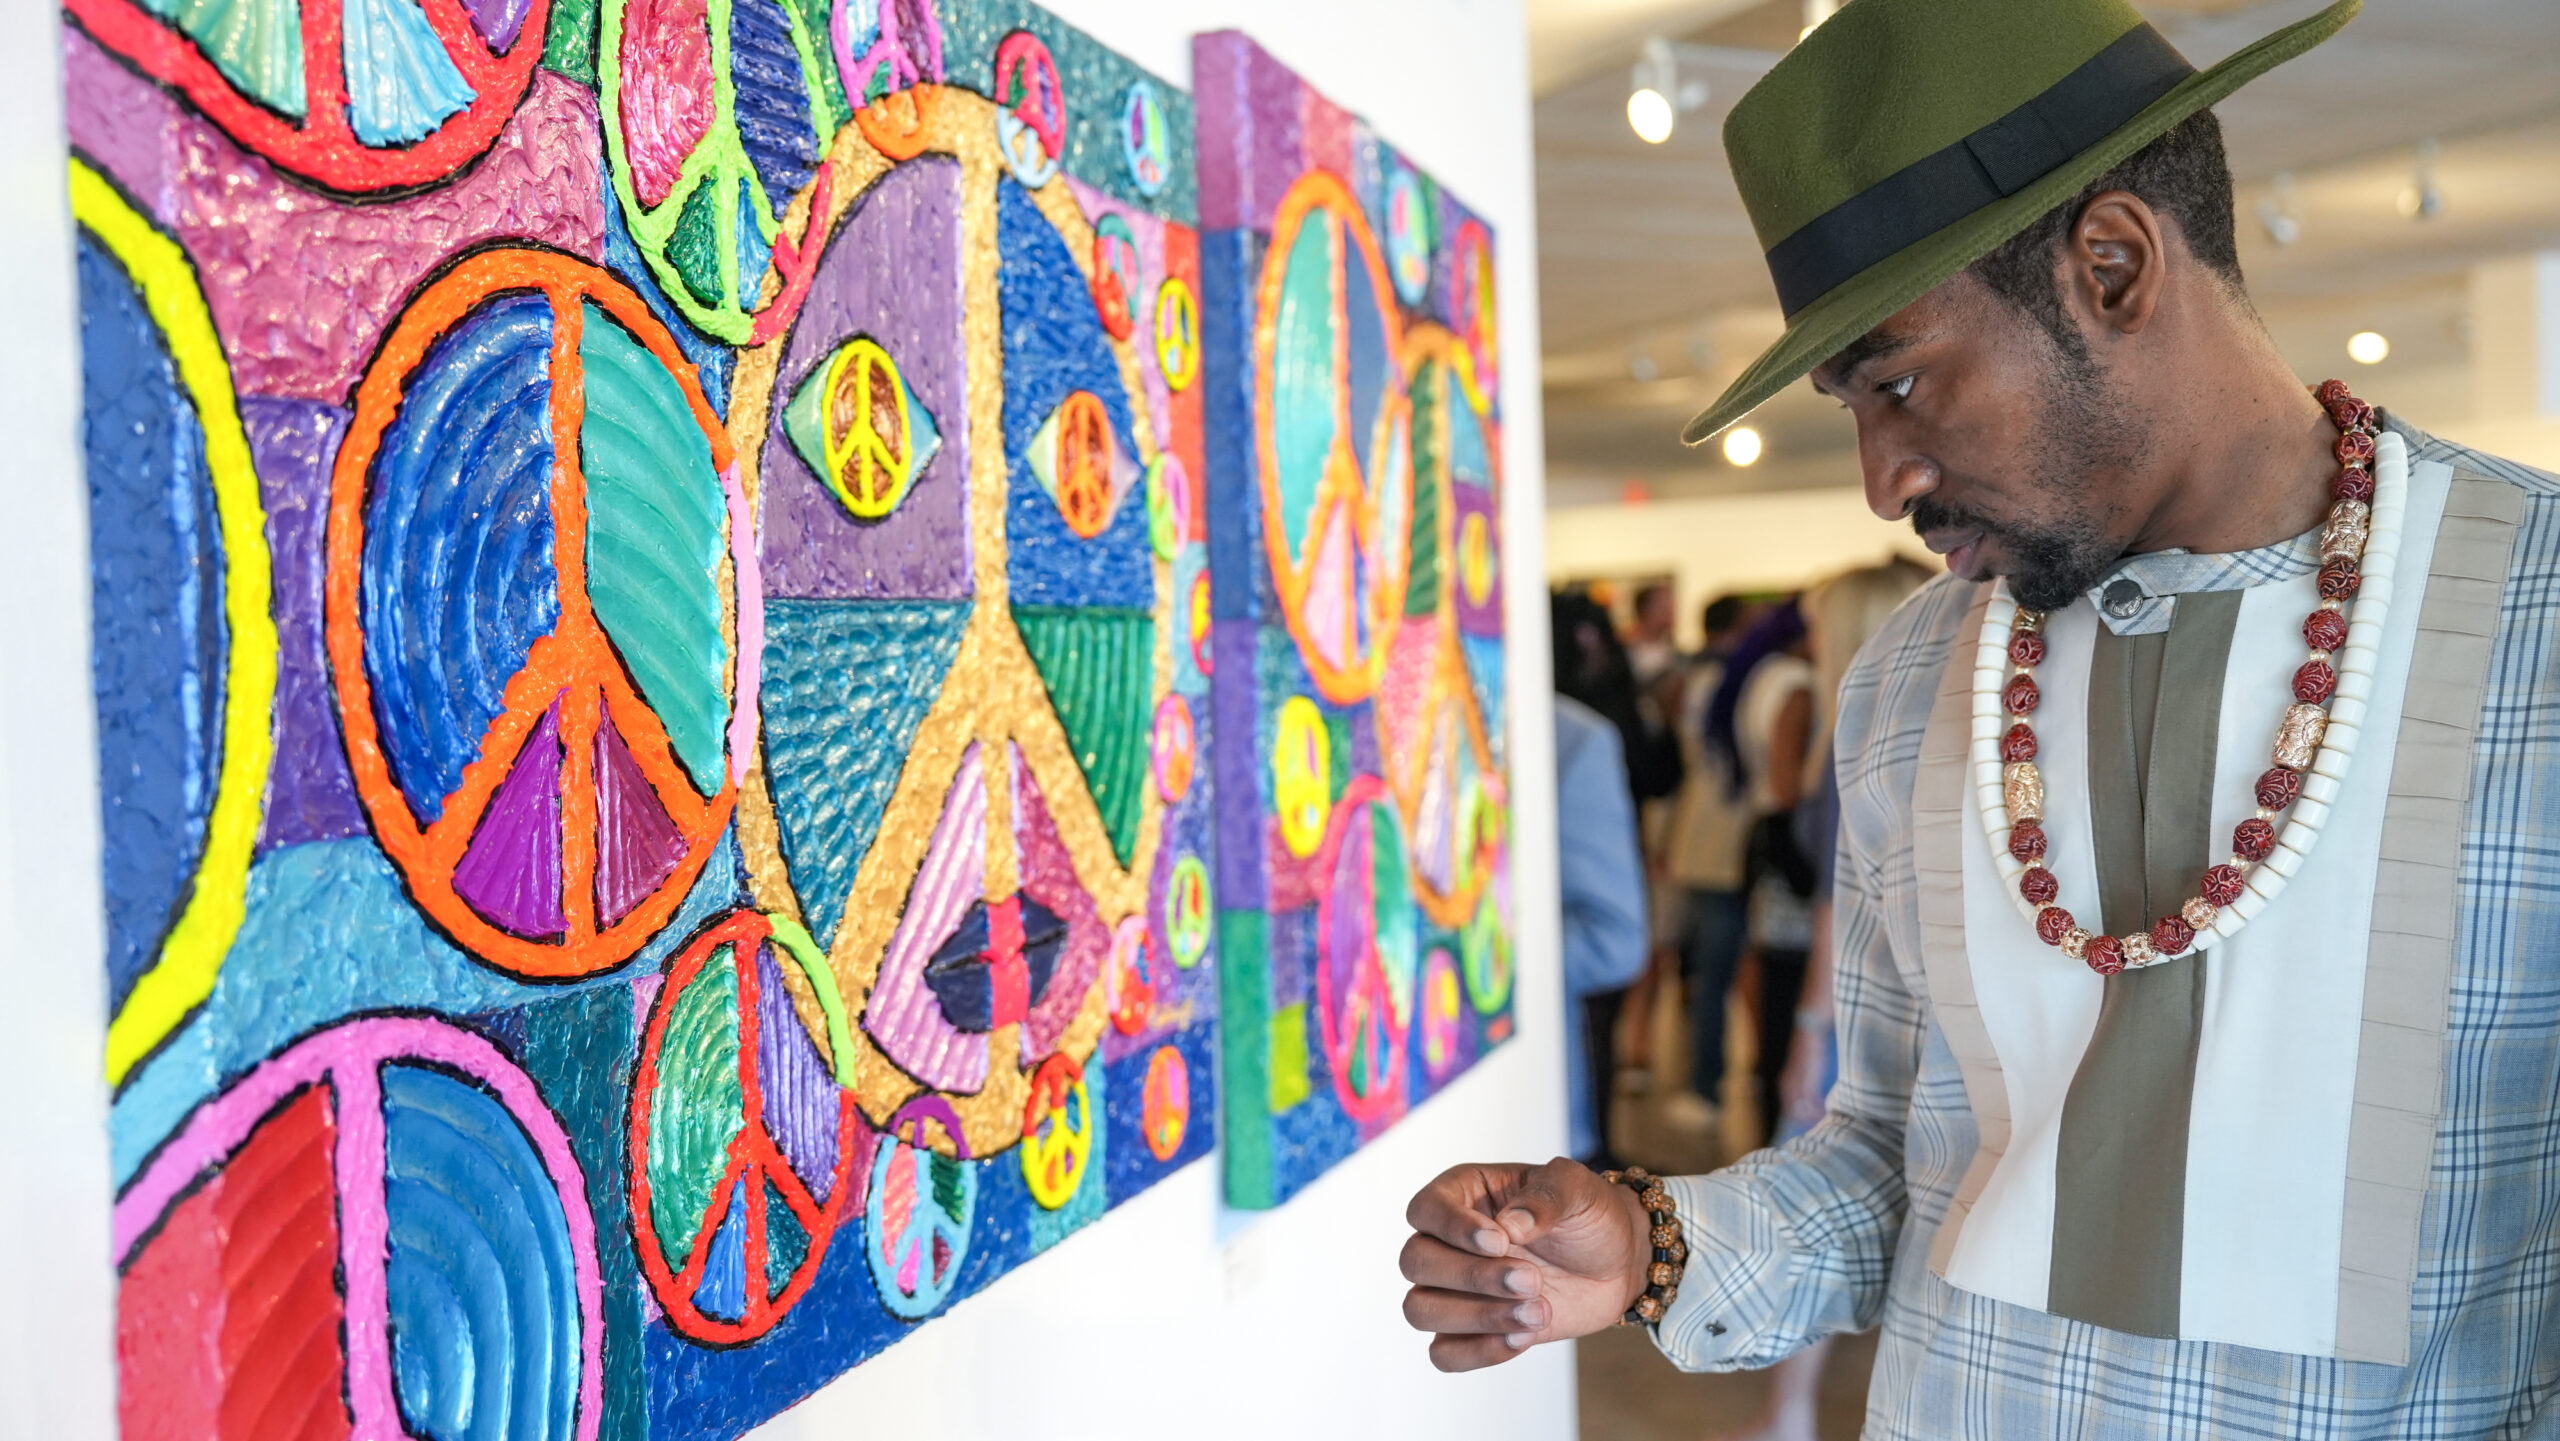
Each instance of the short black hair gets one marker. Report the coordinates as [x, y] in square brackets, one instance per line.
[1723, 613]
[2183, 175]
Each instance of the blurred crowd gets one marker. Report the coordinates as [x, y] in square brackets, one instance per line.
[1697, 815]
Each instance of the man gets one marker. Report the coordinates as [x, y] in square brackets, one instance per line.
[2252, 1129]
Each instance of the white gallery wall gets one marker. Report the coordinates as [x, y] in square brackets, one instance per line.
[1172, 1317]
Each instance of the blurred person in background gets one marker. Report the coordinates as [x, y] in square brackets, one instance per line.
[1601, 871]
[1760, 725]
[1840, 615]
[1702, 871]
[1652, 650]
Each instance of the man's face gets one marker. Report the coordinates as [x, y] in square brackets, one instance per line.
[2007, 450]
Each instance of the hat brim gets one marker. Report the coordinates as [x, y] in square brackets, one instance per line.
[1857, 305]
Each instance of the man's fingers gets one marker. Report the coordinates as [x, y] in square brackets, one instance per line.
[1541, 1196]
[1454, 1207]
[1474, 1353]
[1460, 1313]
[1430, 1261]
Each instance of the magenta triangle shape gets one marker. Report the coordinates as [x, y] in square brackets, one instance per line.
[637, 843]
[511, 871]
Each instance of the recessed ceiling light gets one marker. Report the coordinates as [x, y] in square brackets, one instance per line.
[1649, 115]
[1741, 445]
[2368, 347]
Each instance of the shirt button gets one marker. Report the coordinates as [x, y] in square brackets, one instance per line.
[2123, 597]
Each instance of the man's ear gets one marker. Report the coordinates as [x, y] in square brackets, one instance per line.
[2115, 262]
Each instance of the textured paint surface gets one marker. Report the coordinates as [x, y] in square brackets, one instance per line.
[1360, 816]
[259, 1243]
[458, 572]
[301, 286]
[618, 1119]
[510, 873]
[156, 600]
[891, 272]
[1096, 663]
[310, 796]
[1054, 346]
[160, 473]
[483, 1289]
[654, 512]
[846, 684]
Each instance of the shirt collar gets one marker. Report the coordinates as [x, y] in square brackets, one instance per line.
[2140, 596]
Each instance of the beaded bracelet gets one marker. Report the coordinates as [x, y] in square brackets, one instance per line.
[1670, 1251]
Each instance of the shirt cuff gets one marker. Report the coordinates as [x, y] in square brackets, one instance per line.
[1742, 1265]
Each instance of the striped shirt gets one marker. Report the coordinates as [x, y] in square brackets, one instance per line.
[1832, 1232]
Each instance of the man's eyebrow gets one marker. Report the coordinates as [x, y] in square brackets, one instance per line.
[1873, 346]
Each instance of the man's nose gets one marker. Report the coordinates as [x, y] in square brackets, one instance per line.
[1895, 478]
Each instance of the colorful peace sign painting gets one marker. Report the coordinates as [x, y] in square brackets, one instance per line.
[534, 592]
[656, 719]
[1358, 620]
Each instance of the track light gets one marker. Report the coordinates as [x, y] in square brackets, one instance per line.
[2278, 214]
[2422, 200]
[1656, 96]
[2368, 347]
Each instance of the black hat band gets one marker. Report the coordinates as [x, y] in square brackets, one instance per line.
[1996, 161]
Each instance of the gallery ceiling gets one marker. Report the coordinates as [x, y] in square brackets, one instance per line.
[1652, 292]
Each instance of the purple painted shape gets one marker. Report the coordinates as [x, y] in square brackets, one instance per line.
[497, 20]
[802, 1102]
[892, 272]
[1049, 877]
[637, 843]
[510, 872]
[302, 286]
[1243, 790]
[1259, 128]
[309, 795]
[1476, 618]
[349, 1056]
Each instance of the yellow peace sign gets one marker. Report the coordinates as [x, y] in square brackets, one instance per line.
[1177, 333]
[1302, 776]
[1054, 1151]
[870, 436]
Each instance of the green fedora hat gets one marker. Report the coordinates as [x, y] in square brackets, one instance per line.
[1904, 140]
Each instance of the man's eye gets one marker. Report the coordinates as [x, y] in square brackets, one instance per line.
[1899, 389]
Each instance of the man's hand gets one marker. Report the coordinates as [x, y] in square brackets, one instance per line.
[1504, 1257]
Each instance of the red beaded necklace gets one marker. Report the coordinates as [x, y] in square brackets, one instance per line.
[2298, 737]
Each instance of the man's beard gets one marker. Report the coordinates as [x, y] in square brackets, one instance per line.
[2055, 559]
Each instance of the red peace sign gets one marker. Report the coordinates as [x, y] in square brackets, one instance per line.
[492, 52]
[732, 1110]
[559, 839]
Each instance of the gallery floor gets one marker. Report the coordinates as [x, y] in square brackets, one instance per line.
[1628, 1391]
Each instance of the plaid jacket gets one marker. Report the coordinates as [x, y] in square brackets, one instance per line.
[1831, 1233]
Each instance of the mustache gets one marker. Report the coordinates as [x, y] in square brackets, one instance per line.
[1929, 513]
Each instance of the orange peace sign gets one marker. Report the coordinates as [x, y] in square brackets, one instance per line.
[1084, 464]
[529, 612]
